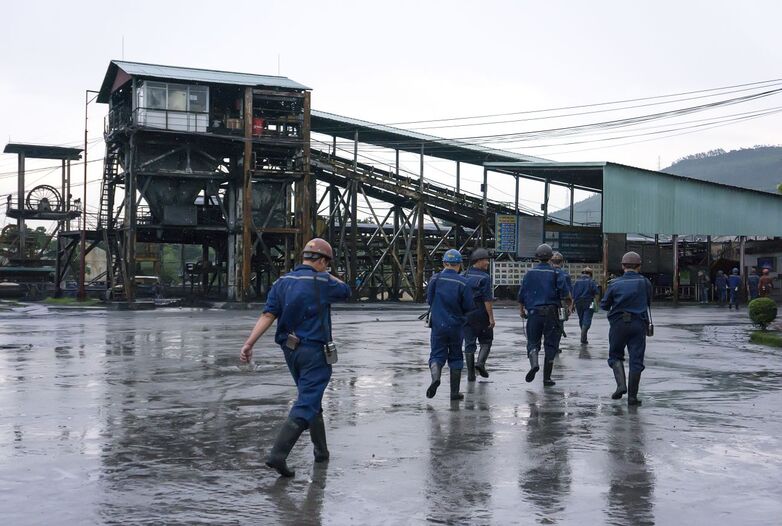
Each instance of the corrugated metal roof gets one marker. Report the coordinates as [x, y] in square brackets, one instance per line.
[410, 141]
[642, 201]
[44, 151]
[207, 76]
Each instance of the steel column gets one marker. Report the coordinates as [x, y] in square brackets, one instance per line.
[20, 226]
[247, 196]
[675, 242]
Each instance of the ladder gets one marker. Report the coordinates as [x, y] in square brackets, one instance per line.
[110, 172]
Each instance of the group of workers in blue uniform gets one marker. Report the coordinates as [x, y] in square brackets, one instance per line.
[461, 313]
[545, 289]
[726, 288]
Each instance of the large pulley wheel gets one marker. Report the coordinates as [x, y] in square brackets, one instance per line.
[44, 198]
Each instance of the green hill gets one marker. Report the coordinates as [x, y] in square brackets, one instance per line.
[758, 168]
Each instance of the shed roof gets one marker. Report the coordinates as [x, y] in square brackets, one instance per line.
[207, 76]
[44, 151]
[636, 200]
[409, 141]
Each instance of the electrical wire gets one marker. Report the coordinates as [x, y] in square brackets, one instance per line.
[757, 84]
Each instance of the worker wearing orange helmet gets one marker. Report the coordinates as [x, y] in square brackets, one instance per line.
[300, 302]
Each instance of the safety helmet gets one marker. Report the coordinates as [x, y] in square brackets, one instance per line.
[543, 252]
[765, 270]
[557, 257]
[479, 254]
[587, 270]
[317, 247]
[631, 258]
[452, 257]
[735, 270]
[720, 273]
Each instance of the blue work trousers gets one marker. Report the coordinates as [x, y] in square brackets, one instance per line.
[543, 327]
[734, 297]
[722, 295]
[632, 335]
[311, 374]
[704, 294]
[585, 313]
[473, 337]
[447, 346]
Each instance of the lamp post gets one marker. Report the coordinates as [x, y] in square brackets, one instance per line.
[83, 265]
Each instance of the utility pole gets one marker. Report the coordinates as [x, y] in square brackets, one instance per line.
[83, 247]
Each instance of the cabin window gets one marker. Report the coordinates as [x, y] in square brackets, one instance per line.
[173, 97]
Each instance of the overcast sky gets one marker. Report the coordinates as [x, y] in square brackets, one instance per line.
[404, 61]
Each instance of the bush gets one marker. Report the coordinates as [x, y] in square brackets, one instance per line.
[762, 311]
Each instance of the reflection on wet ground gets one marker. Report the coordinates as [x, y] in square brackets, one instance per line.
[146, 418]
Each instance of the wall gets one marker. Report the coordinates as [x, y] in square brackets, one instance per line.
[646, 202]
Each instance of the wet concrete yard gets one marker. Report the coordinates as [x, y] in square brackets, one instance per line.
[146, 418]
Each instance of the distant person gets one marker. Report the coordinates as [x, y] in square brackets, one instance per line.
[721, 288]
[585, 292]
[734, 285]
[703, 287]
[540, 296]
[557, 260]
[483, 296]
[450, 297]
[766, 284]
[753, 284]
[300, 302]
[627, 300]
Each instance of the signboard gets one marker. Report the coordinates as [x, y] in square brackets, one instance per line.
[581, 246]
[530, 234]
[510, 273]
[505, 233]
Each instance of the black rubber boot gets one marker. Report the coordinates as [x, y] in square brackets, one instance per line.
[456, 379]
[534, 367]
[469, 358]
[290, 432]
[619, 376]
[436, 369]
[584, 331]
[483, 355]
[632, 389]
[318, 437]
[547, 368]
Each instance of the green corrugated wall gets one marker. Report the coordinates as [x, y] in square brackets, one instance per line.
[639, 201]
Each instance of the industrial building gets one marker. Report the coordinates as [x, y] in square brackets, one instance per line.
[241, 166]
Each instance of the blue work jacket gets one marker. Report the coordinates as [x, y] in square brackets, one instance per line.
[721, 282]
[450, 296]
[293, 299]
[480, 283]
[630, 292]
[734, 282]
[585, 288]
[753, 281]
[543, 285]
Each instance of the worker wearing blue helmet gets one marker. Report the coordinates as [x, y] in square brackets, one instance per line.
[734, 284]
[450, 299]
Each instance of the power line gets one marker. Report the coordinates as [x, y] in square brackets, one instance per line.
[597, 104]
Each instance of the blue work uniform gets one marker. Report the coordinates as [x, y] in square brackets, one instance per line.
[301, 301]
[584, 292]
[541, 293]
[627, 301]
[721, 284]
[450, 297]
[734, 283]
[480, 285]
[753, 283]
